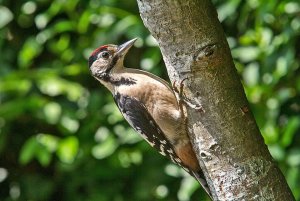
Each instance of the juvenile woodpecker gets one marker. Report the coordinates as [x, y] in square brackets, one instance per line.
[149, 105]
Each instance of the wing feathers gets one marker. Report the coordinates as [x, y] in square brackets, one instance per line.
[141, 120]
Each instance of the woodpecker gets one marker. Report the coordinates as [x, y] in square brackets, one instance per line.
[149, 105]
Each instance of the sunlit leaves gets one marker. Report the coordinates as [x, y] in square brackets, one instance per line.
[62, 136]
[32, 149]
[30, 50]
[83, 23]
[51, 107]
[52, 112]
[246, 54]
[161, 191]
[54, 86]
[105, 148]
[9, 85]
[42, 147]
[292, 176]
[5, 16]
[67, 149]
[291, 128]
[17, 107]
[50, 142]
[187, 188]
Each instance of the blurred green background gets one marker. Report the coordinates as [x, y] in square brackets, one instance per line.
[62, 137]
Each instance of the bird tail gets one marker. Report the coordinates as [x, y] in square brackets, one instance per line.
[201, 179]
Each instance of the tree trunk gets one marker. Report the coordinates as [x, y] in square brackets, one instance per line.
[226, 139]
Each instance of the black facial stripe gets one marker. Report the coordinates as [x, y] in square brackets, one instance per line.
[113, 63]
[103, 76]
[123, 81]
[92, 58]
[117, 82]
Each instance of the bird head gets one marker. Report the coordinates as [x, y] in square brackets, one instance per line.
[107, 59]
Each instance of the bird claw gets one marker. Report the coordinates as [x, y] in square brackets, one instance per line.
[198, 107]
[182, 99]
[180, 90]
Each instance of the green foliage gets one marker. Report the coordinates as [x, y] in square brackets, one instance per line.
[62, 137]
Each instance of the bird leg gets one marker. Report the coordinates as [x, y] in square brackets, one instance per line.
[179, 94]
[182, 99]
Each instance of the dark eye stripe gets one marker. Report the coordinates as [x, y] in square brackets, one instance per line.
[95, 53]
[92, 58]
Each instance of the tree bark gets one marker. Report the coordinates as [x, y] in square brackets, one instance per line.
[224, 134]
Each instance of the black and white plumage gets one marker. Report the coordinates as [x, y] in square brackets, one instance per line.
[149, 105]
[139, 118]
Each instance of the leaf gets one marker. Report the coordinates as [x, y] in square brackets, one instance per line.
[28, 151]
[68, 149]
[33, 149]
[6, 16]
[105, 148]
[30, 50]
[290, 130]
[246, 54]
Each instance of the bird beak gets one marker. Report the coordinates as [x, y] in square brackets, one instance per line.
[123, 49]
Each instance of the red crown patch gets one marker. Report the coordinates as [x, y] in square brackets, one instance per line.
[99, 49]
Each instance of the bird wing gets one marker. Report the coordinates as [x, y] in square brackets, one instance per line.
[141, 120]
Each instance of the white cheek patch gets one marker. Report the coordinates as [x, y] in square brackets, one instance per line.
[96, 71]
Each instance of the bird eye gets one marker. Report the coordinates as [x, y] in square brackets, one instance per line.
[105, 55]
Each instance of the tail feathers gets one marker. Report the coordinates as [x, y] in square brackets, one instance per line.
[201, 179]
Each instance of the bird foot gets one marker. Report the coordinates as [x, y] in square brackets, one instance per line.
[183, 99]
